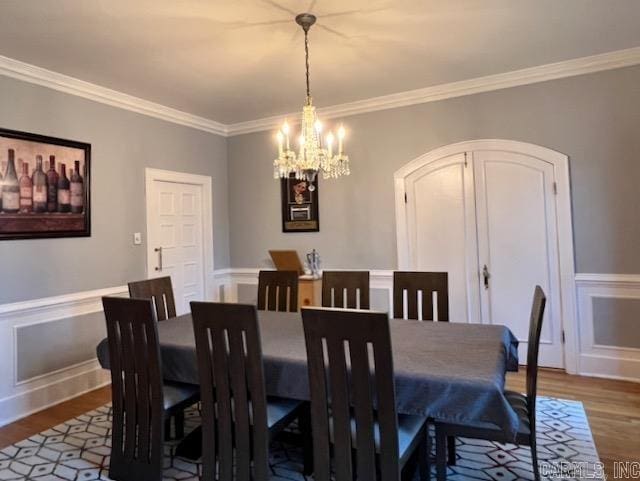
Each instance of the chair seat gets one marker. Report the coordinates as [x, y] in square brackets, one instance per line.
[280, 409]
[518, 403]
[408, 429]
[178, 395]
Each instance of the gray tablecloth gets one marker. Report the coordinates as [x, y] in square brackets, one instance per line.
[447, 371]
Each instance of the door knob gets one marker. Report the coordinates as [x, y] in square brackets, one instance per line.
[485, 276]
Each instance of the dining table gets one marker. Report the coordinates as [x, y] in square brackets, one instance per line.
[447, 371]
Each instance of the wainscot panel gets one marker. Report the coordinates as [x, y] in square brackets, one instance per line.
[47, 351]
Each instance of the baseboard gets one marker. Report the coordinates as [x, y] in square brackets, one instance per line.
[29, 402]
[610, 367]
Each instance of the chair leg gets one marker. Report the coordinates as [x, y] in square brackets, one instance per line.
[179, 424]
[424, 451]
[441, 454]
[304, 421]
[451, 449]
[534, 459]
[167, 428]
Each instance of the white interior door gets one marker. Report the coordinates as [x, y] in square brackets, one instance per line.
[175, 238]
[441, 225]
[517, 242]
[495, 209]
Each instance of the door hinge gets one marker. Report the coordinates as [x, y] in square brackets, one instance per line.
[465, 159]
[405, 197]
[563, 337]
[555, 188]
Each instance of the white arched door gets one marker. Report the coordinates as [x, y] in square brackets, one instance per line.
[486, 212]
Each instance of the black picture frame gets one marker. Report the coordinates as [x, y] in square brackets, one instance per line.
[299, 208]
[33, 225]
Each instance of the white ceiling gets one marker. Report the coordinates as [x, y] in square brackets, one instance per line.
[239, 60]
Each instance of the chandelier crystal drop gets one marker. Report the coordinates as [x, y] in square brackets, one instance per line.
[314, 153]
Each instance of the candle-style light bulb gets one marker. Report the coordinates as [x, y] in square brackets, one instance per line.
[330, 144]
[341, 134]
[318, 126]
[285, 130]
[280, 138]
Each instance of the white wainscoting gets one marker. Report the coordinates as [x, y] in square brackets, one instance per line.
[19, 399]
[593, 360]
[599, 360]
[230, 278]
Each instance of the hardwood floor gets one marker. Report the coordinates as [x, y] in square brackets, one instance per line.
[613, 408]
[22, 429]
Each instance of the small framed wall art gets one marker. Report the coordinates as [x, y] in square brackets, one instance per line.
[299, 205]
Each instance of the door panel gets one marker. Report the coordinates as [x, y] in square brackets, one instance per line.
[498, 209]
[517, 242]
[175, 225]
[441, 225]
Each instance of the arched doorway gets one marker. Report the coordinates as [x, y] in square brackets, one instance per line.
[496, 215]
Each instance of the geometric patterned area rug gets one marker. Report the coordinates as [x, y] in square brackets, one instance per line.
[78, 450]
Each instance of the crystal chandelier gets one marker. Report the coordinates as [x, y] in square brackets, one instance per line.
[314, 154]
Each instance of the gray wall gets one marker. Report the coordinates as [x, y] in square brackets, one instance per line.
[594, 119]
[123, 144]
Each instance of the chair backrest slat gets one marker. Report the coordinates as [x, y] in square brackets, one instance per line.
[356, 284]
[533, 348]
[278, 291]
[160, 291]
[423, 284]
[136, 389]
[356, 375]
[234, 405]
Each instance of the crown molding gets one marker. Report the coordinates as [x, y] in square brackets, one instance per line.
[515, 78]
[568, 68]
[64, 83]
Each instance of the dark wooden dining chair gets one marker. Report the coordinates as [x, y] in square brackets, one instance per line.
[524, 405]
[353, 406]
[354, 283]
[237, 416]
[160, 291]
[425, 283]
[141, 401]
[278, 291]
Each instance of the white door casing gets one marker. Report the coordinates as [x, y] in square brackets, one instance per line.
[490, 163]
[179, 222]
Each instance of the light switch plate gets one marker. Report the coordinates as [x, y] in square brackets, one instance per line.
[137, 238]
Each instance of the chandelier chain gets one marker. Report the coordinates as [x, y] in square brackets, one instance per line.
[306, 61]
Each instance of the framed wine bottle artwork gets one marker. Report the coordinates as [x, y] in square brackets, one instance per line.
[45, 188]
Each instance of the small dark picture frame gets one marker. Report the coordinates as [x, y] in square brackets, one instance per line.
[45, 186]
[299, 205]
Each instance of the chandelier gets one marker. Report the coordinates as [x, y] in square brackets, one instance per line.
[314, 153]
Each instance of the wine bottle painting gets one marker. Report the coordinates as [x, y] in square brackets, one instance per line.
[44, 186]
